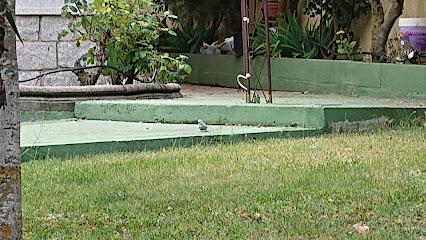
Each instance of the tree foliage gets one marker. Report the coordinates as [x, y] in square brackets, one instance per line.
[125, 33]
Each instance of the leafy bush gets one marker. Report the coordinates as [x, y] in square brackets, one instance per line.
[189, 37]
[219, 17]
[125, 33]
[344, 46]
[292, 40]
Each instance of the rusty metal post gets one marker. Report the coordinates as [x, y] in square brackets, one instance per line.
[268, 50]
[246, 54]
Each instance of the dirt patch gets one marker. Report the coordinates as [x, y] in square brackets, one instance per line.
[208, 90]
[188, 89]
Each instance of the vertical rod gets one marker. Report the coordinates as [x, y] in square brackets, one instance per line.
[246, 54]
[268, 50]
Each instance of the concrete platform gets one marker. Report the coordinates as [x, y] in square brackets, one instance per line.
[288, 110]
[64, 138]
[133, 125]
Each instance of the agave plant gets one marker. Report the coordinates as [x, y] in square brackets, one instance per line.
[292, 40]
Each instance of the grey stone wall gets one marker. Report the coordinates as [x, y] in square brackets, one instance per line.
[39, 23]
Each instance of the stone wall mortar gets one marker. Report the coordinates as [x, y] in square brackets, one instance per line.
[42, 52]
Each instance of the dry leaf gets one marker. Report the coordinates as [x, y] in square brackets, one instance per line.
[245, 216]
[360, 228]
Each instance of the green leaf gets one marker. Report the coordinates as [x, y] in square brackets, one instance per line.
[187, 69]
[11, 20]
[74, 9]
[121, 5]
[171, 32]
[68, 15]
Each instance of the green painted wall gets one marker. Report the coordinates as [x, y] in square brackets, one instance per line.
[45, 116]
[341, 77]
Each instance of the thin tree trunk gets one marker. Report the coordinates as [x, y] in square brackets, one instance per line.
[10, 165]
[378, 18]
[379, 45]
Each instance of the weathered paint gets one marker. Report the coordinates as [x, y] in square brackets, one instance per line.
[267, 115]
[307, 110]
[341, 77]
[45, 116]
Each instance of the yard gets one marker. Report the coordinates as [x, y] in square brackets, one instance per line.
[313, 188]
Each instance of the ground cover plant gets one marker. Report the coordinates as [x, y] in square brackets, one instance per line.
[314, 188]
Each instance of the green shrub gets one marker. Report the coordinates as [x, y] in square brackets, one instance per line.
[292, 40]
[189, 38]
[125, 33]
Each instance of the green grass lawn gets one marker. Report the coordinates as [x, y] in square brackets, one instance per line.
[314, 188]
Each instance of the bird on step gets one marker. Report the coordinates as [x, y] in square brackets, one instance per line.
[201, 125]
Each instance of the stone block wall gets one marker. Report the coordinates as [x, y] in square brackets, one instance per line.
[41, 51]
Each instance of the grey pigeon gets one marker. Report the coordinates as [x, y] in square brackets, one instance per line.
[201, 125]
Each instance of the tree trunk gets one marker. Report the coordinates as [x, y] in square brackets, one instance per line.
[10, 165]
[378, 18]
[380, 36]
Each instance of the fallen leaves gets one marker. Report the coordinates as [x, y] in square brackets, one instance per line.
[257, 217]
[360, 228]
[246, 217]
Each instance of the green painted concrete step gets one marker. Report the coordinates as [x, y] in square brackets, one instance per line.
[217, 113]
[65, 138]
[312, 111]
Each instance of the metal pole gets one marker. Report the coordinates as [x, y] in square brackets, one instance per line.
[246, 54]
[268, 50]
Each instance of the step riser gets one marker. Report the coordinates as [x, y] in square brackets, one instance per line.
[266, 115]
[81, 149]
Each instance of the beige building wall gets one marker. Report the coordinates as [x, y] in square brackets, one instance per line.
[362, 27]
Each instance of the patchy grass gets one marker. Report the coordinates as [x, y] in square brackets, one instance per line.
[315, 188]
